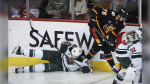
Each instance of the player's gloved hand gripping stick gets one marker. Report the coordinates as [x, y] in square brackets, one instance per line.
[36, 31]
[103, 37]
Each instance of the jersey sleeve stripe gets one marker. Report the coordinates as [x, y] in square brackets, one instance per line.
[114, 33]
[121, 52]
[136, 56]
[95, 11]
[95, 36]
[121, 49]
[138, 53]
[100, 27]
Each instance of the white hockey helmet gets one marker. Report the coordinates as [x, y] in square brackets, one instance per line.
[132, 36]
[76, 52]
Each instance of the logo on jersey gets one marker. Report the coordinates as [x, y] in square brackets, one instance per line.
[109, 28]
[48, 54]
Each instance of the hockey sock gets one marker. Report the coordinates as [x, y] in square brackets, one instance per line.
[110, 60]
[35, 68]
[91, 54]
[119, 77]
[33, 53]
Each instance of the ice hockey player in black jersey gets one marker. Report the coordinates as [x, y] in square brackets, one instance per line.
[108, 23]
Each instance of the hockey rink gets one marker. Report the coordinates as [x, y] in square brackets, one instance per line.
[77, 77]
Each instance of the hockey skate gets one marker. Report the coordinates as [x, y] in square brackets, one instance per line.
[115, 82]
[19, 70]
[17, 50]
[115, 69]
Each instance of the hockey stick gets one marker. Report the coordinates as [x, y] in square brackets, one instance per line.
[103, 37]
[52, 44]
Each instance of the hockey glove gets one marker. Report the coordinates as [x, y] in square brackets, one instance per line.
[113, 44]
[92, 23]
[85, 69]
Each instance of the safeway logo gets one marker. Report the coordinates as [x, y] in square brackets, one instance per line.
[80, 39]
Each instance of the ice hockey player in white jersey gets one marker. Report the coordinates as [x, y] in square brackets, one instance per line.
[58, 61]
[129, 54]
[139, 32]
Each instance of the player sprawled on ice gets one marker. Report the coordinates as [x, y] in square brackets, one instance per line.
[106, 23]
[129, 54]
[58, 61]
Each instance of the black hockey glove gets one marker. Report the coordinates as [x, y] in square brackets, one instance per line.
[91, 23]
[113, 44]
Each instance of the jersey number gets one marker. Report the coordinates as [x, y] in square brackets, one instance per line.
[104, 12]
[133, 49]
[113, 13]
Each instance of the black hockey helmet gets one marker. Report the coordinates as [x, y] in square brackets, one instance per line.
[122, 12]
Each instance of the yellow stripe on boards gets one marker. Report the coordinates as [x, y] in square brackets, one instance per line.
[24, 61]
[102, 66]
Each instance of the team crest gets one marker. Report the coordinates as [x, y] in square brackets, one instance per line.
[109, 28]
[48, 54]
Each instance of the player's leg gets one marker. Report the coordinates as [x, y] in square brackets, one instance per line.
[109, 58]
[51, 55]
[137, 63]
[47, 67]
[41, 54]
[32, 68]
[93, 51]
[96, 45]
[125, 62]
[28, 52]
[120, 77]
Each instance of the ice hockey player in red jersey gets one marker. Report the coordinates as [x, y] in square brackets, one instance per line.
[108, 23]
